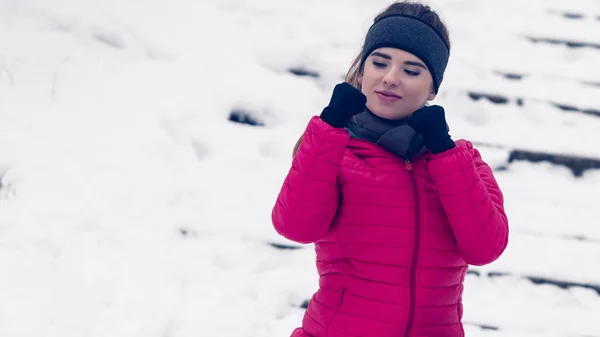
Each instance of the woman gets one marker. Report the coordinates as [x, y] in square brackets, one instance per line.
[396, 209]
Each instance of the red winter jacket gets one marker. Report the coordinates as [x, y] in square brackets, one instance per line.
[393, 239]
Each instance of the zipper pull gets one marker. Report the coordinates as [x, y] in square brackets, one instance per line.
[408, 165]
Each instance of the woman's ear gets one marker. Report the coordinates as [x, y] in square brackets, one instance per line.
[431, 96]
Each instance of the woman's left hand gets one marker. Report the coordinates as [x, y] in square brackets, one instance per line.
[430, 122]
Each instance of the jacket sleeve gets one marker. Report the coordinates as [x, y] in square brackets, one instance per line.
[473, 202]
[309, 197]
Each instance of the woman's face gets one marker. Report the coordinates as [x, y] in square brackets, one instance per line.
[396, 83]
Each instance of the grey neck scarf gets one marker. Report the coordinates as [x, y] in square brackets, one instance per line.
[394, 135]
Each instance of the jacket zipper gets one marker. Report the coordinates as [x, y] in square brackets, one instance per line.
[415, 259]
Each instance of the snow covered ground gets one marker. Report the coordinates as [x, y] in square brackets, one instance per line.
[131, 206]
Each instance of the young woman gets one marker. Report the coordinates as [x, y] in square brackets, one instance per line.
[397, 210]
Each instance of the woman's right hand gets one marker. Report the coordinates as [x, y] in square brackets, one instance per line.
[346, 101]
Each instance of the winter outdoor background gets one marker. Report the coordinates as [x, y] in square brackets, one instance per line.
[143, 144]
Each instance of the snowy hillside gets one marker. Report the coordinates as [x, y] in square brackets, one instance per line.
[133, 202]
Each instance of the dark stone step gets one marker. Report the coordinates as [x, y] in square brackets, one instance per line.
[577, 164]
[496, 99]
[564, 284]
[283, 246]
[244, 117]
[519, 101]
[568, 43]
[592, 84]
[542, 281]
[511, 76]
[483, 326]
[573, 16]
[518, 77]
[110, 40]
[186, 232]
[566, 237]
[571, 108]
[299, 71]
[473, 272]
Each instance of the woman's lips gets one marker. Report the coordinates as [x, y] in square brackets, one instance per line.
[387, 96]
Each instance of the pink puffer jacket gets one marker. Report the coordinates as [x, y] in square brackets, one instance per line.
[393, 238]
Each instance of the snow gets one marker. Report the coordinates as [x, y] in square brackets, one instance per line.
[131, 206]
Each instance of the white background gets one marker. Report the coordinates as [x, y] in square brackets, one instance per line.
[131, 206]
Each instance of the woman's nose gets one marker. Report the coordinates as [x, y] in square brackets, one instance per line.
[392, 77]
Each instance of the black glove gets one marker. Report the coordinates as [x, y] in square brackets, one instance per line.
[430, 122]
[346, 101]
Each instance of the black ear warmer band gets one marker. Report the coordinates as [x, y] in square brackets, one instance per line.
[414, 36]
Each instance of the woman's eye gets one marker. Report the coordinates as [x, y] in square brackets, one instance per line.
[378, 64]
[411, 73]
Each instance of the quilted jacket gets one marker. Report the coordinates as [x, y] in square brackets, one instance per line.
[393, 238]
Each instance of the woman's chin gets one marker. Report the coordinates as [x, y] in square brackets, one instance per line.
[389, 114]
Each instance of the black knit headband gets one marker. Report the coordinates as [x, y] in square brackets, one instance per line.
[413, 35]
